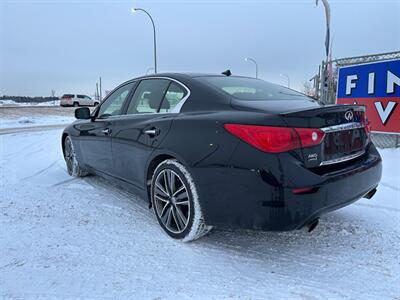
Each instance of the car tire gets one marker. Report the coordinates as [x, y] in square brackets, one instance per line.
[73, 167]
[76, 104]
[176, 202]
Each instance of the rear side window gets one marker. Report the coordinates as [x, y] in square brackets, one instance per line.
[80, 96]
[173, 96]
[67, 96]
[148, 96]
[252, 89]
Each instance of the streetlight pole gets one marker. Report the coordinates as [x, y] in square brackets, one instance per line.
[288, 79]
[133, 10]
[252, 60]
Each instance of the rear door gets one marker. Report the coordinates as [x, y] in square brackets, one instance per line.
[95, 136]
[88, 100]
[81, 100]
[147, 121]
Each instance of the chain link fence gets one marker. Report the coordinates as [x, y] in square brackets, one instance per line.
[325, 85]
[383, 140]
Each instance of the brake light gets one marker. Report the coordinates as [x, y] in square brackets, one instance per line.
[276, 139]
[310, 136]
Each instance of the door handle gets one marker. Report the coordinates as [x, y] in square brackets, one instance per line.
[152, 132]
[106, 131]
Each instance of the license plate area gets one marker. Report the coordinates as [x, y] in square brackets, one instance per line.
[343, 142]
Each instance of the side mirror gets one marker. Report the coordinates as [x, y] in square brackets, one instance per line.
[82, 113]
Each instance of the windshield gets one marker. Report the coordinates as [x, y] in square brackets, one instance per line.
[253, 89]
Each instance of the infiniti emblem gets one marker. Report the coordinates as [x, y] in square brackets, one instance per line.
[348, 115]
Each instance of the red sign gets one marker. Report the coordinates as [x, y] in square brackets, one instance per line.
[377, 86]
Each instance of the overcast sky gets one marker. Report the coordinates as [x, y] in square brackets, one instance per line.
[66, 45]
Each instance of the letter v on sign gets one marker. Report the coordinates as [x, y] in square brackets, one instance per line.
[385, 113]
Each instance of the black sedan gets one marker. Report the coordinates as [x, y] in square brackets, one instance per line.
[215, 150]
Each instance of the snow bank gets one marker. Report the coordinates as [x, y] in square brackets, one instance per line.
[13, 103]
[34, 121]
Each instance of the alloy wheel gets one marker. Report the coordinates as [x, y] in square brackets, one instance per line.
[171, 200]
[69, 155]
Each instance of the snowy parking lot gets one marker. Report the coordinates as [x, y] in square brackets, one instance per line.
[70, 238]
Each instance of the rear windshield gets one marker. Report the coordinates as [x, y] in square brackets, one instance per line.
[253, 89]
[67, 96]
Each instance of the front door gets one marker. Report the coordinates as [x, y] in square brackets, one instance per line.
[95, 135]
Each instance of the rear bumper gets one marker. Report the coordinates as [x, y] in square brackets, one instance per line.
[263, 198]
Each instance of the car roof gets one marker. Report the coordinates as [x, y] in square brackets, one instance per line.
[187, 76]
[180, 75]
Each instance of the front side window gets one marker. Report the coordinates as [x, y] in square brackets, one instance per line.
[148, 96]
[113, 105]
[252, 89]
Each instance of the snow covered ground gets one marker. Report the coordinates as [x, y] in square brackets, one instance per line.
[34, 121]
[34, 116]
[67, 238]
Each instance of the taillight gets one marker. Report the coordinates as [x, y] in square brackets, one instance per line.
[367, 127]
[276, 139]
[310, 136]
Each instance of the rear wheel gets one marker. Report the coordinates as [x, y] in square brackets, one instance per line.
[73, 166]
[176, 202]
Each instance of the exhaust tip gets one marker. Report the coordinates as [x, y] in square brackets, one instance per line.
[312, 225]
[370, 194]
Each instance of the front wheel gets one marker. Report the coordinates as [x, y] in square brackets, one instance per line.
[176, 202]
[73, 167]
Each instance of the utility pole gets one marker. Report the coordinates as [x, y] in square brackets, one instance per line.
[97, 92]
[101, 94]
[326, 71]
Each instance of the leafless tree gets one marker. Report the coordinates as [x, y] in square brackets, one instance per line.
[308, 89]
[53, 94]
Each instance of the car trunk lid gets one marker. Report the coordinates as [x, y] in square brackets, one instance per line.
[344, 127]
[346, 133]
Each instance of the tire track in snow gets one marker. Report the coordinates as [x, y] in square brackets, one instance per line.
[40, 172]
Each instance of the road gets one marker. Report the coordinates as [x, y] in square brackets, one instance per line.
[63, 237]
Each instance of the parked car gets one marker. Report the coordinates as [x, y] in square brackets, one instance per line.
[213, 150]
[77, 100]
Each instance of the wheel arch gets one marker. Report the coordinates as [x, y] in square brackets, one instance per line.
[156, 159]
[63, 137]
